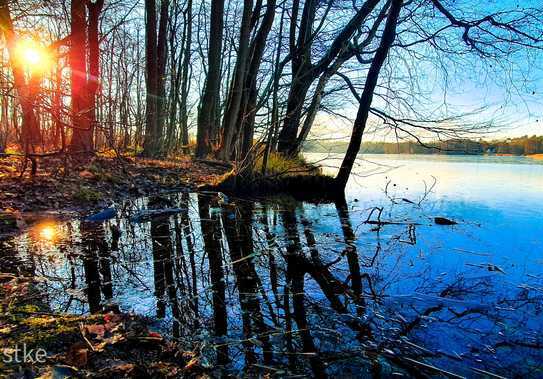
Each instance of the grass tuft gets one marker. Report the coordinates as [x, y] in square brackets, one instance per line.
[279, 164]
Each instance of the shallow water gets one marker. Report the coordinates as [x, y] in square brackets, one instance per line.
[289, 287]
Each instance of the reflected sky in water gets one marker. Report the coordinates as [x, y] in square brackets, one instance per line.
[364, 288]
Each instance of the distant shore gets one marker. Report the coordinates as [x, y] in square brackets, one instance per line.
[538, 156]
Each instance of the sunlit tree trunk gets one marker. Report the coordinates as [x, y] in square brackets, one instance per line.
[94, 8]
[30, 133]
[81, 141]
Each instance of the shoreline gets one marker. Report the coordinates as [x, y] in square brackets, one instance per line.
[90, 187]
[102, 181]
[533, 156]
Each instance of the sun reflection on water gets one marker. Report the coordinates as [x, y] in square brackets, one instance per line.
[47, 233]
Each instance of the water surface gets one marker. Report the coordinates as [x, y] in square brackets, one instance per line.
[363, 288]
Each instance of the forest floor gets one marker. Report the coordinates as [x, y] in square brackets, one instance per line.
[95, 184]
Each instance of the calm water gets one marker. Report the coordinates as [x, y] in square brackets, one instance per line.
[366, 288]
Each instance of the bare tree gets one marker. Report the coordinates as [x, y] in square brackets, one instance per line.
[155, 57]
[81, 124]
[207, 110]
[387, 39]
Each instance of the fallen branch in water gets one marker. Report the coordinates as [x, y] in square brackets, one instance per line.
[373, 222]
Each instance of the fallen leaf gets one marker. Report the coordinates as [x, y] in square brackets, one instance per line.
[86, 174]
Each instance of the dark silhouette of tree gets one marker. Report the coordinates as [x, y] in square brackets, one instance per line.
[155, 58]
[207, 110]
[387, 39]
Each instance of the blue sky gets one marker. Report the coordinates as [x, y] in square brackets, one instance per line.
[507, 91]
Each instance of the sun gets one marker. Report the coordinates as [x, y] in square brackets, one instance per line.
[32, 55]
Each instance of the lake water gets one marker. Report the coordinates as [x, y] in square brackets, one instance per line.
[370, 287]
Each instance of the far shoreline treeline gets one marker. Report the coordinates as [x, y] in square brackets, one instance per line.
[511, 146]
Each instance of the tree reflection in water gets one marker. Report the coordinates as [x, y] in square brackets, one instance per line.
[285, 287]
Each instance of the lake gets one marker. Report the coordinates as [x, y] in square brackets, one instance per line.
[369, 287]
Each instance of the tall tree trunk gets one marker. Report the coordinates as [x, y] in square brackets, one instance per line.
[185, 76]
[275, 101]
[162, 53]
[170, 142]
[82, 129]
[389, 34]
[151, 79]
[343, 57]
[304, 72]
[237, 85]
[94, 61]
[249, 109]
[30, 129]
[207, 110]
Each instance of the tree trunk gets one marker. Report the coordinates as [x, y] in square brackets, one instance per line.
[151, 80]
[30, 132]
[343, 56]
[170, 142]
[207, 110]
[185, 77]
[389, 34]
[82, 129]
[238, 83]
[275, 101]
[305, 73]
[289, 133]
[94, 61]
[249, 109]
[162, 53]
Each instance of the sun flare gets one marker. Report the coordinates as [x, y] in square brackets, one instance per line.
[33, 56]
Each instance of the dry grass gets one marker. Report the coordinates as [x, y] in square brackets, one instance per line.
[281, 165]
